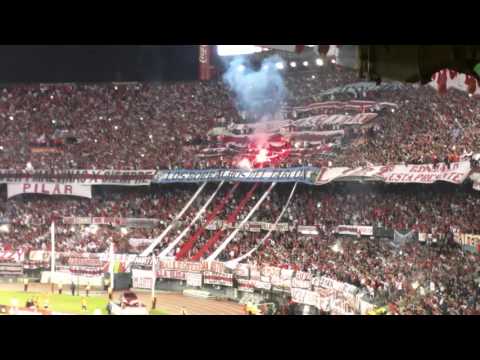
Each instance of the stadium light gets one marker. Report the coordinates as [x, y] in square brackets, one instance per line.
[10, 117]
[279, 66]
[319, 62]
[313, 76]
[293, 64]
[115, 127]
[305, 63]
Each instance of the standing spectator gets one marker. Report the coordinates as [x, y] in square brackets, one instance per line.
[84, 304]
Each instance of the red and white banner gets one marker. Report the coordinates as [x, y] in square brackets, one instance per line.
[49, 189]
[420, 174]
[252, 226]
[270, 271]
[445, 79]
[11, 269]
[337, 120]
[354, 230]
[246, 285]
[303, 276]
[313, 135]
[355, 105]
[187, 266]
[171, 274]
[12, 256]
[222, 279]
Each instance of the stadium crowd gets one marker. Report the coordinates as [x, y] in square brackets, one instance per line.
[149, 126]
[438, 209]
[427, 128]
[126, 126]
[413, 278]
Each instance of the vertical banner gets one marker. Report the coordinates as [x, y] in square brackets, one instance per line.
[204, 63]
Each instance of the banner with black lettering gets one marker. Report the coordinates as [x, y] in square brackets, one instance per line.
[49, 189]
[81, 177]
[171, 274]
[113, 221]
[303, 174]
[11, 269]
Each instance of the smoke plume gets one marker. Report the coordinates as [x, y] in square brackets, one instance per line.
[259, 92]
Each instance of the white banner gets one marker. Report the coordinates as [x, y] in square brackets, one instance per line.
[113, 221]
[242, 270]
[84, 177]
[194, 279]
[302, 284]
[307, 230]
[354, 230]
[141, 279]
[49, 189]
[139, 242]
[263, 285]
[251, 226]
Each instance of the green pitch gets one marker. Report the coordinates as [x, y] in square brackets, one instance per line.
[62, 303]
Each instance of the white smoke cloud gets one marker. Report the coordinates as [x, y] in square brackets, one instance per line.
[259, 91]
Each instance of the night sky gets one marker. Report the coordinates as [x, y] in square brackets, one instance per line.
[61, 63]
